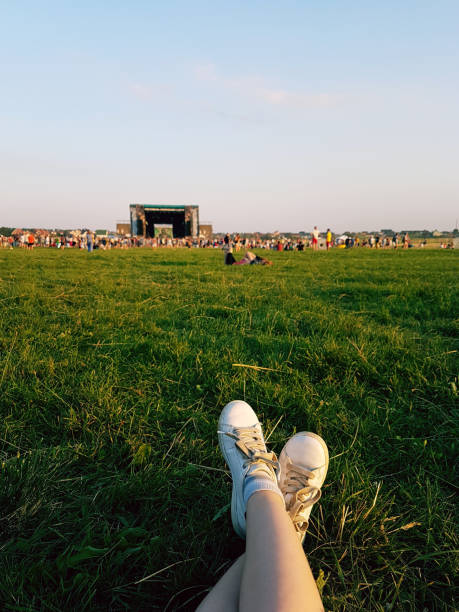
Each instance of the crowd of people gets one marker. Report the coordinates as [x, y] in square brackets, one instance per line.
[87, 239]
[325, 240]
[378, 241]
[79, 239]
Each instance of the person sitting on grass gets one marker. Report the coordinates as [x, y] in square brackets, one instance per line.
[270, 507]
[249, 258]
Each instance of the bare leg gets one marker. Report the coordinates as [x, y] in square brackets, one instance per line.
[224, 597]
[276, 575]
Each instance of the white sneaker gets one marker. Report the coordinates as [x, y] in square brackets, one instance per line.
[241, 441]
[303, 467]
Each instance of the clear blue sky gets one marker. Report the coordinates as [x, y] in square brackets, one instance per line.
[269, 115]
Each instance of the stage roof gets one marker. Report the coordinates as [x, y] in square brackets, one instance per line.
[166, 206]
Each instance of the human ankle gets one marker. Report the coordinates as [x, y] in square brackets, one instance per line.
[261, 485]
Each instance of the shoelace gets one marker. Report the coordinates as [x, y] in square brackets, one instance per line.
[249, 441]
[303, 494]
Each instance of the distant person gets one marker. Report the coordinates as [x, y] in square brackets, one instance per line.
[329, 239]
[315, 238]
[395, 241]
[90, 241]
[228, 253]
[248, 259]
[251, 259]
[406, 240]
[30, 241]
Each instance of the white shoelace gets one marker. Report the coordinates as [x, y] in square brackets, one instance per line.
[301, 494]
[249, 441]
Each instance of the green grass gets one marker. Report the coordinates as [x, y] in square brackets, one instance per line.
[114, 368]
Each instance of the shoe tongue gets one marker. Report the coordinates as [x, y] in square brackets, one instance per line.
[260, 469]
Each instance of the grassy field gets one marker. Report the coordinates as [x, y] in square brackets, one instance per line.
[114, 368]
